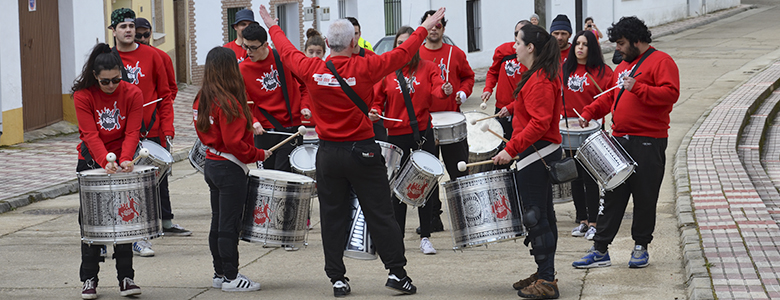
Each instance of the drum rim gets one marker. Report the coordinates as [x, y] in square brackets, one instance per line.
[137, 169]
[420, 168]
[587, 129]
[299, 149]
[480, 174]
[453, 113]
[155, 147]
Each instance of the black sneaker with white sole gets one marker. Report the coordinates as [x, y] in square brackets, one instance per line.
[403, 285]
[341, 288]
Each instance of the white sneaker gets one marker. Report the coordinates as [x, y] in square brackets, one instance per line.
[426, 246]
[579, 230]
[591, 232]
[143, 248]
[217, 281]
[240, 284]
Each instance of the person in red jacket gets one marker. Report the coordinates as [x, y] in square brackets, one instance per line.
[223, 123]
[347, 154]
[109, 113]
[424, 87]
[314, 47]
[640, 122]
[450, 59]
[244, 17]
[276, 95]
[536, 137]
[585, 75]
[560, 28]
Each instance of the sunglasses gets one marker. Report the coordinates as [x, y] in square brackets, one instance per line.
[439, 26]
[114, 80]
[143, 35]
[250, 48]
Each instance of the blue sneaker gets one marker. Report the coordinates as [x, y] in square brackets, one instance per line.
[594, 259]
[639, 257]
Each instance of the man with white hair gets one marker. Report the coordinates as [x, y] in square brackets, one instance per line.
[348, 154]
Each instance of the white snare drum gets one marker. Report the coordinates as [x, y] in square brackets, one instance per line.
[197, 155]
[119, 208]
[418, 178]
[158, 157]
[483, 145]
[576, 135]
[484, 208]
[311, 136]
[392, 155]
[562, 193]
[449, 127]
[359, 244]
[277, 208]
[303, 160]
[606, 160]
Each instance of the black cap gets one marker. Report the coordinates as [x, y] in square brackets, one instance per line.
[244, 15]
[142, 23]
[561, 22]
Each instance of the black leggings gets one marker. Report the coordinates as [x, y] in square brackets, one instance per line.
[228, 186]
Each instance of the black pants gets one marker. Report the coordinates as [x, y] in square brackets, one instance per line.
[280, 159]
[228, 186]
[361, 165]
[506, 124]
[90, 254]
[644, 185]
[452, 154]
[165, 196]
[585, 192]
[407, 144]
[535, 188]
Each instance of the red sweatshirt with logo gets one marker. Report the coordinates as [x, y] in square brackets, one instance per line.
[643, 111]
[265, 89]
[537, 111]
[146, 70]
[461, 74]
[109, 123]
[337, 117]
[169, 72]
[424, 86]
[505, 74]
[228, 136]
[240, 52]
[580, 88]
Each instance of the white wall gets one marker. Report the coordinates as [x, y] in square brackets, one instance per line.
[80, 30]
[10, 58]
[208, 27]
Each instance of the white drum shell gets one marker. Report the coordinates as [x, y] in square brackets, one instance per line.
[158, 157]
[605, 160]
[393, 155]
[574, 135]
[449, 127]
[417, 179]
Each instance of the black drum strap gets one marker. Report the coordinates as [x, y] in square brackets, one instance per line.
[348, 90]
[409, 107]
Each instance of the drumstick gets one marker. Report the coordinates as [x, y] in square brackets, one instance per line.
[462, 165]
[447, 79]
[485, 128]
[389, 119]
[474, 122]
[614, 87]
[304, 121]
[111, 157]
[150, 103]
[141, 154]
[578, 114]
[279, 132]
[250, 102]
[594, 82]
[301, 131]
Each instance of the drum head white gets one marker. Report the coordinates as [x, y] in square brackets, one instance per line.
[427, 162]
[482, 141]
[157, 152]
[442, 118]
[304, 157]
[101, 171]
[574, 125]
[280, 175]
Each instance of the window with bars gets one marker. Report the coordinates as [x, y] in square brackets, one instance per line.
[473, 25]
[342, 9]
[231, 15]
[392, 16]
[281, 14]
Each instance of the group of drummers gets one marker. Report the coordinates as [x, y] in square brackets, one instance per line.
[381, 123]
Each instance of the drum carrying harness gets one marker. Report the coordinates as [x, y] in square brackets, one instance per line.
[347, 89]
[283, 84]
[409, 107]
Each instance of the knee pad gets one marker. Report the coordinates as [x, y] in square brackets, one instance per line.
[541, 238]
[531, 216]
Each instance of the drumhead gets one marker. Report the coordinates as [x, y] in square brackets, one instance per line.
[442, 118]
[574, 125]
[482, 141]
[157, 152]
[427, 162]
[280, 175]
[101, 171]
[304, 157]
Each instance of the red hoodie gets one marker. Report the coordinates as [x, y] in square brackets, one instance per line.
[644, 111]
[240, 52]
[146, 70]
[264, 89]
[580, 88]
[109, 123]
[425, 89]
[338, 118]
[228, 137]
[169, 72]
[537, 111]
[461, 74]
[504, 73]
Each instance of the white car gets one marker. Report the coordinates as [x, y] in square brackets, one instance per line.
[386, 43]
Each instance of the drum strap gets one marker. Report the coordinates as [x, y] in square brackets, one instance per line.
[348, 90]
[409, 107]
[636, 67]
[231, 158]
[568, 136]
[508, 57]
[521, 164]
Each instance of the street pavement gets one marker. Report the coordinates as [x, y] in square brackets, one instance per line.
[39, 248]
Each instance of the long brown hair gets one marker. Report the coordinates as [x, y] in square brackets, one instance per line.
[101, 58]
[222, 85]
[547, 54]
[416, 58]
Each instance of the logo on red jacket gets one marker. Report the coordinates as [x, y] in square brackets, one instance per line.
[410, 83]
[108, 119]
[414, 190]
[270, 80]
[443, 68]
[127, 210]
[501, 208]
[512, 67]
[623, 74]
[134, 73]
[261, 214]
[577, 83]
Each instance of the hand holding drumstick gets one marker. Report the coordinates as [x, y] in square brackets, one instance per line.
[301, 131]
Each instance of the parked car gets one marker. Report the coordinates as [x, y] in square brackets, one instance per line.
[386, 43]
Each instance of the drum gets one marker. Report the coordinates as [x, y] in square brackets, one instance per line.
[449, 127]
[359, 244]
[311, 136]
[484, 209]
[277, 208]
[392, 155]
[562, 193]
[158, 157]
[605, 160]
[303, 160]
[483, 145]
[418, 178]
[197, 155]
[119, 208]
[574, 136]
